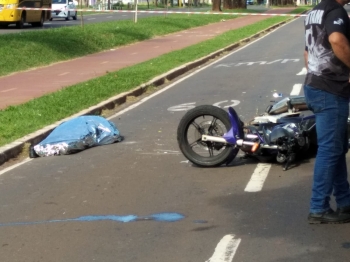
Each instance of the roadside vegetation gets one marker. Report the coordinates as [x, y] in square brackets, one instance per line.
[43, 47]
[17, 121]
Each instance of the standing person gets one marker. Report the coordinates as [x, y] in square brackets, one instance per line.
[327, 92]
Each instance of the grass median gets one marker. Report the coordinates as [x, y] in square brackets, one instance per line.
[17, 121]
[32, 49]
[43, 47]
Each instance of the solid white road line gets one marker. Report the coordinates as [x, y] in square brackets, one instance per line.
[14, 166]
[258, 178]
[296, 90]
[225, 250]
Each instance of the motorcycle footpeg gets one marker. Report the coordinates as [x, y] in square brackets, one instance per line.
[290, 159]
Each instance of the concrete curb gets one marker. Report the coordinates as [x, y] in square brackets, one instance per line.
[13, 149]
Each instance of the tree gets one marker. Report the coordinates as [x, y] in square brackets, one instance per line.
[228, 4]
[239, 4]
[216, 5]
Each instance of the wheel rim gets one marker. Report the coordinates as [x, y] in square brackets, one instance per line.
[205, 125]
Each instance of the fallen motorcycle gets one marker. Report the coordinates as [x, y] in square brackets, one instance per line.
[209, 136]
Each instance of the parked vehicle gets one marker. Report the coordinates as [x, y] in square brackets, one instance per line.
[9, 14]
[208, 136]
[63, 9]
[250, 2]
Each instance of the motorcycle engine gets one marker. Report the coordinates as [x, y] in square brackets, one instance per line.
[289, 135]
[280, 134]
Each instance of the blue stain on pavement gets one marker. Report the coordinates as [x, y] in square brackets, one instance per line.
[163, 217]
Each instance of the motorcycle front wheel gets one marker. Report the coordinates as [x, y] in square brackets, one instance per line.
[205, 120]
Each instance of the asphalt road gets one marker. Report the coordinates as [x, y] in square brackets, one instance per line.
[55, 208]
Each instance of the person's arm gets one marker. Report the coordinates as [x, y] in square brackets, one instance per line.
[341, 47]
[305, 58]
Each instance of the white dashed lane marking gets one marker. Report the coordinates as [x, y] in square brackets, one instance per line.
[225, 250]
[258, 178]
[302, 72]
[296, 89]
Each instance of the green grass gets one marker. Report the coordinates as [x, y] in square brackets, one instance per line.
[17, 121]
[42, 47]
[301, 9]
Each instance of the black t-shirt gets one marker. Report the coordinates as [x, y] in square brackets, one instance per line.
[325, 70]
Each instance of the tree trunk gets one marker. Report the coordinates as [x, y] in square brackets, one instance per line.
[228, 4]
[239, 4]
[216, 5]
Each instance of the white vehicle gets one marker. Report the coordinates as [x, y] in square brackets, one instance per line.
[60, 9]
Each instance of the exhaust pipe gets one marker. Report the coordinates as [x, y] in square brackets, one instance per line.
[239, 142]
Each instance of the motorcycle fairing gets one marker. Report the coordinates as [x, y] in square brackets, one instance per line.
[236, 130]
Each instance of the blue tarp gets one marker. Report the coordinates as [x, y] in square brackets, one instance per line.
[78, 134]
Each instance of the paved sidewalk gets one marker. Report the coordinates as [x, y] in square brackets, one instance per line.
[21, 87]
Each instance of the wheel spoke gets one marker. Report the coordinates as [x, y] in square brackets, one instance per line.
[212, 125]
[210, 150]
[195, 142]
[198, 127]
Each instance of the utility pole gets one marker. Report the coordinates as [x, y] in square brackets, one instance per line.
[81, 14]
[135, 14]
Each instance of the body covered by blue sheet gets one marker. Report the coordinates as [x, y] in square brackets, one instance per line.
[78, 134]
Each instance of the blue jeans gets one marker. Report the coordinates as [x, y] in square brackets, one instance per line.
[330, 171]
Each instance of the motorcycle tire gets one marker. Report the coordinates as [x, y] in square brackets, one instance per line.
[213, 121]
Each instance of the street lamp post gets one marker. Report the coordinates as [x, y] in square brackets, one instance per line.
[135, 14]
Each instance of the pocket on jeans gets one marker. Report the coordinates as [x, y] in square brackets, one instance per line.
[315, 98]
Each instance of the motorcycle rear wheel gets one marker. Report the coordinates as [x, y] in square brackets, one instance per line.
[208, 120]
